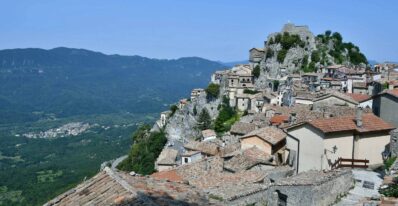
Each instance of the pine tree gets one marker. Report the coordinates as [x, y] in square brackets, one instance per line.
[204, 121]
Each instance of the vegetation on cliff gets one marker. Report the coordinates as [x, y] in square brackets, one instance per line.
[226, 117]
[212, 91]
[329, 48]
[146, 148]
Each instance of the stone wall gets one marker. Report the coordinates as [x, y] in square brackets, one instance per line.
[394, 143]
[183, 124]
[312, 194]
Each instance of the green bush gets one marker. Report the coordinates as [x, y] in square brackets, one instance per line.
[249, 91]
[281, 55]
[213, 90]
[226, 117]
[391, 191]
[271, 41]
[256, 71]
[146, 148]
[269, 53]
[173, 109]
[204, 121]
[315, 56]
[388, 163]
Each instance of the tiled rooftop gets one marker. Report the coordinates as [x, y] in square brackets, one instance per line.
[371, 123]
[109, 187]
[272, 135]
[210, 148]
[358, 97]
[246, 159]
[242, 128]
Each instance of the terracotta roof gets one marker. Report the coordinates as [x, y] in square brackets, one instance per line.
[279, 119]
[170, 175]
[359, 97]
[228, 179]
[208, 133]
[207, 147]
[271, 135]
[247, 159]
[393, 92]
[371, 123]
[242, 128]
[110, 187]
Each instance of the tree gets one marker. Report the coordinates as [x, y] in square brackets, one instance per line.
[256, 71]
[204, 121]
[281, 55]
[173, 109]
[271, 41]
[328, 33]
[269, 53]
[315, 56]
[213, 90]
[337, 36]
[195, 111]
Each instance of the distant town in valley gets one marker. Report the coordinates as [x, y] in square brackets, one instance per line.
[307, 121]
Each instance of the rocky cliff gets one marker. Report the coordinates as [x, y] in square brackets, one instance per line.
[183, 124]
[295, 49]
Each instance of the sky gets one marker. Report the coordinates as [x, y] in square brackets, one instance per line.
[222, 30]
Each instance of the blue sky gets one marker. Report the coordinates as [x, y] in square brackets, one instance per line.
[215, 29]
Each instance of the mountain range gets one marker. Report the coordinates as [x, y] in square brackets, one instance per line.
[63, 82]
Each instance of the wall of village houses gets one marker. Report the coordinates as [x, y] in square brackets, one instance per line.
[383, 106]
[303, 101]
[371, 146]
[255, 141]
[343, 141]
[310, 146]
[243, 104]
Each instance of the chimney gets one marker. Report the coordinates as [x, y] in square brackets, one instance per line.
[358, 116]
[292, 118]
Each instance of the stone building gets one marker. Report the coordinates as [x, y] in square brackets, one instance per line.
[385, 106]
[166, 160]
[196, 93]
[269, 140]
[319, 143]
[256, 56]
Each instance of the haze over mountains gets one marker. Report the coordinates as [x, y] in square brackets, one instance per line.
[63, 82]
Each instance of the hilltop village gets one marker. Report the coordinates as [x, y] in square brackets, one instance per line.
[304, 123]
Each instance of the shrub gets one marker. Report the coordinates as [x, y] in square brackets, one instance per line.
[388, 163]
[281, 55]
[213, 90]
[204, 121]
[315, 56]
[249, 91]
[146, 148]
[173, 109]
[226, 117]
[269, 53]
[256, 71]
[195, 111]
[391, 191]
[271, 41]
[328, 33]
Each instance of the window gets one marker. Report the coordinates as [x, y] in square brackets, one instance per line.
[185, 159]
